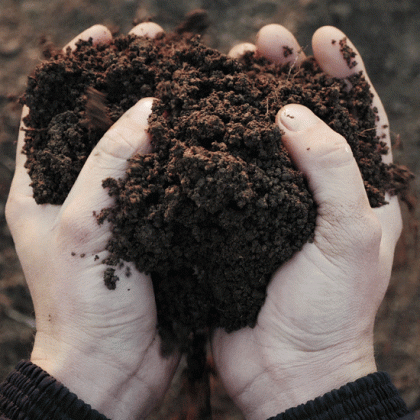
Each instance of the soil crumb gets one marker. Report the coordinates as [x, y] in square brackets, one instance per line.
[218, 205]
[348, 53]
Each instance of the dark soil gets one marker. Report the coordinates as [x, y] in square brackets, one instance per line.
[387, 35]
[218, 205]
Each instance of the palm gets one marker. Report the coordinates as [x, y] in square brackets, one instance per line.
[84, 330]
[322, 290]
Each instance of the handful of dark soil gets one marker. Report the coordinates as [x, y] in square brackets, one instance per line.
[218, 205]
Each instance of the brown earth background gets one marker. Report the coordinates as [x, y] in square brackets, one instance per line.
[386, 33]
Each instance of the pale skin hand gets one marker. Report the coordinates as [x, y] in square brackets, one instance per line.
[313, 334]
[102, 344]
[315, 330]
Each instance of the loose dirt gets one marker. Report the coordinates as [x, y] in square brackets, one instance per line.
[218, 205]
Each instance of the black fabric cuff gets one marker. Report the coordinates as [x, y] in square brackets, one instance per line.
[31, 393]
[370, 398]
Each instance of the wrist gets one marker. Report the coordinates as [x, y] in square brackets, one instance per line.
[291, 381]
[101, 383]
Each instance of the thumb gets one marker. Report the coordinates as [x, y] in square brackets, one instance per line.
[108, 159]
[327, 161]
[347, 229]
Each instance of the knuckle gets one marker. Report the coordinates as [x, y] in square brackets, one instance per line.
[373, 230]
[366, 231]
[353, 233]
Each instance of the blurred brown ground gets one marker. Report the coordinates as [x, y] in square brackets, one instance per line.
[387, 34]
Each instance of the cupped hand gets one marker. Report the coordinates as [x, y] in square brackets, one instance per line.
[315, 330]
[102, 344]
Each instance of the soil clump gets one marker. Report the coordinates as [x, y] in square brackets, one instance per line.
[218, 205]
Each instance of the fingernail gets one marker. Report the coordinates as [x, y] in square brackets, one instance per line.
[296, 118]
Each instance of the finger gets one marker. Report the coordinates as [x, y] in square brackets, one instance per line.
[241, 49]
[99, 34]
[325, 158]
[277, 44]
[148, 29]
[108, 159]
[338, 57]
[347, 229]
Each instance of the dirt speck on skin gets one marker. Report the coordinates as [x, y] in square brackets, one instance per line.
[287, 51]
[218, 205]
[110, 278]
[348, 53]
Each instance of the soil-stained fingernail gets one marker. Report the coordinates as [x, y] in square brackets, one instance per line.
[296, 118]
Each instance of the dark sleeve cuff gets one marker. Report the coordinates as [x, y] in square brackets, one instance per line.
[31, 393]
[370, 398]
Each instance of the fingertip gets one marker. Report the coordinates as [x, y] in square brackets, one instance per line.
[138, 116]
[335, 53]
[311, 143]
[147, 29]
[295, 117]
[324, 157]
[100, 34]
[279, 45]
[240, 50]
[294, 121]
[141, 111]
[338, 57]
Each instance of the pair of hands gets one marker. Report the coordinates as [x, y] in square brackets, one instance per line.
[315, 330]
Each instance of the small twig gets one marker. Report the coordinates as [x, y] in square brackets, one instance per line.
[33, 129]
[294, 64]
[364, 131]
